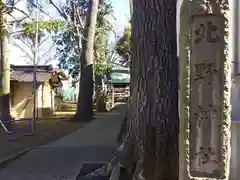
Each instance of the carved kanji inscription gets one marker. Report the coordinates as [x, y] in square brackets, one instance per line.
[205, 96]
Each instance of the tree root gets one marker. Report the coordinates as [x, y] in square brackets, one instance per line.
[115, 174]
[123, 159]
[105, 170]
[123, 131]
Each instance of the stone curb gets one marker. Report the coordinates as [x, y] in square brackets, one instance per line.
[5, 161]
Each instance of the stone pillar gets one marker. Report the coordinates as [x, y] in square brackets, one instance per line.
[112, 97]
[205, 82]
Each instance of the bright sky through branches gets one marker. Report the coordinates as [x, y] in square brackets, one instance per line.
[121, 13]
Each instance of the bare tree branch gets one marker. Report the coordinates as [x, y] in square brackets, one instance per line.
[16, 2]
[46, 54]
[47, 61]
[41, 10]
[10, 4]
[11, 22]
[18, 21]
[22, 49]
[43, 41]
[78, 26]
[26, 60]
[16, 32]
[28, 44]
[62, 13]
[23, 12]
[76, 18]
[49, 50]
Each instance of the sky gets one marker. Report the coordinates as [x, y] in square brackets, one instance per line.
[121, 13]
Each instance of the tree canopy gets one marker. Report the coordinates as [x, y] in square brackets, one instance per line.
[68, 51]
[123, 46]
[26, 30]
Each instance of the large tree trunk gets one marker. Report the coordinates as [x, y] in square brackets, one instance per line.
[5, 115]
[154, 86]
[150, 144]
[85, 101]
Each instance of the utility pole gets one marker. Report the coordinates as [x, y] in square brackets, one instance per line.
[35, 70]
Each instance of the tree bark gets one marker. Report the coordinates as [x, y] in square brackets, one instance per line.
[154, 87]
[5, 115]
[149, 148]
[85, 102]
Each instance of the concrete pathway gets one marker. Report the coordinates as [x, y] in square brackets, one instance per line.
[63, 159]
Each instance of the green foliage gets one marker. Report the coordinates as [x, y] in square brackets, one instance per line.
[101, 48]
[1, 4]
[30, 28]
[123, 46]
[68, 52]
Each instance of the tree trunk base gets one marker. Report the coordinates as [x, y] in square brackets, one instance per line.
[122, 165]
[81, 117]
[5, 115]
[101, 105]
[104, 170]
[84, 111]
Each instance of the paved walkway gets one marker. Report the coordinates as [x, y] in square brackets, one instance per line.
[63, 159]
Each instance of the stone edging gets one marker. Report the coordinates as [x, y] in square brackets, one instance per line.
[5, 161]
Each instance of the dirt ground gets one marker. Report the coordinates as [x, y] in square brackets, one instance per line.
[47, 130]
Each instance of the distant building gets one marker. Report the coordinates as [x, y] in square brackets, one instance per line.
[48, 81]
[119, 79]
